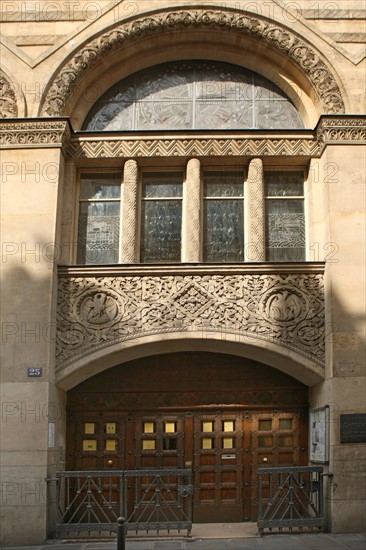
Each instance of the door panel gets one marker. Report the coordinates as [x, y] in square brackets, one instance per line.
[224, 450]
[277, 439]
[218, 468]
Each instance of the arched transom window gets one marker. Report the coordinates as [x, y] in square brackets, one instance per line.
[193, 95]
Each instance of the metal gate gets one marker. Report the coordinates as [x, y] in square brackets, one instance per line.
[290, 497]
[150, 500]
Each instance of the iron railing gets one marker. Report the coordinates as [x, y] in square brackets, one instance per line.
[150, 500]
[290, 497]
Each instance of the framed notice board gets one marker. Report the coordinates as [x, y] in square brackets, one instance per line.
[319, 435]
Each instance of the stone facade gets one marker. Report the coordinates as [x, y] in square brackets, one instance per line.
[306, 319]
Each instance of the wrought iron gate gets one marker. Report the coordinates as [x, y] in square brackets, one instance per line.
[150, 500]
[290, 497]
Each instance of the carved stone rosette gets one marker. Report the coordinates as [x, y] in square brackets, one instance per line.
[97, 312]
[274, 35]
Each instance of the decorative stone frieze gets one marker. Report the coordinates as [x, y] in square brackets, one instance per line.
[8, 100]
[197, 147]
[34, 133]
[45, 133]
[342, 130]
[275, 35]
[95, 312]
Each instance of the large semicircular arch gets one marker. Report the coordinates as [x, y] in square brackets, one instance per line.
[302, 54]
[288, 361]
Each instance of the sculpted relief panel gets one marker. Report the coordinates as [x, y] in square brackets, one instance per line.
[96, 312]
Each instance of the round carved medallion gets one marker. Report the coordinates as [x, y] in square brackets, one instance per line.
[284, 306]
[98, 308]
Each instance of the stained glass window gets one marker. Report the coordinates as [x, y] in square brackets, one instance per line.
[285, 218]
[223, 212]
[99, 219]
[193, 95]
[161, 216]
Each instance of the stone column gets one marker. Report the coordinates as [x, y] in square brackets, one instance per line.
[129, 213]
[191, 237]
[254, 213]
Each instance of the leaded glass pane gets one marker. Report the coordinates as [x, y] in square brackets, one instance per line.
[94, 186]
[284, 183]
[193, 95]
[223, 231]
[167, 184]
[98, 232]
[161, 230]
[223, 114]
[154, 115]
[285, 222]
[224, 184]
[275, 114]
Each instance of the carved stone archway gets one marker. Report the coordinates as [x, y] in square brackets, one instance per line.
[286, 361]
[278, 37]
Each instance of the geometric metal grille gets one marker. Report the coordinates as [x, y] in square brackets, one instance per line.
[150, 500]
[290, 497]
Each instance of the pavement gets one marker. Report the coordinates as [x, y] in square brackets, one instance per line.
[216, 537]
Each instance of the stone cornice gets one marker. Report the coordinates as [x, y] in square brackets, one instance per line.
[341, 130]
[34, 133]
[45, 132]
[139, 270]
[301, 53]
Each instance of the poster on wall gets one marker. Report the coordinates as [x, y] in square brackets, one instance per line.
[319, 435]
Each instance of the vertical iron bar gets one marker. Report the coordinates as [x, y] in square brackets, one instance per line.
[121, 534]
[320, 495]
[260, 497]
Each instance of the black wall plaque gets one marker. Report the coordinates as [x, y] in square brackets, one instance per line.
[353, 428]
[34, 371]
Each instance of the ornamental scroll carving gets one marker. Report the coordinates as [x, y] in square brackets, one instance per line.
[8, 100]
[276, 36]
[97, 312]
[20, 134]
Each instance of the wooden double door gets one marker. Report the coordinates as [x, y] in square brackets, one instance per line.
[223, 448]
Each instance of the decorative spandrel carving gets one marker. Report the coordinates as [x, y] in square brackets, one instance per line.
[280, 38]
[193, 95]
[96, 312]
[8, 100]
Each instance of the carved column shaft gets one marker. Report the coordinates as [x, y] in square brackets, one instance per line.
[254, 213]
[129, 213]
[191, 241]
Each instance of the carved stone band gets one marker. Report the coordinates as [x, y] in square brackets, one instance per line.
[96, 312]
[20, 133]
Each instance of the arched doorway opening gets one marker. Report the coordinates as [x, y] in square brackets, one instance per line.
[221, 415]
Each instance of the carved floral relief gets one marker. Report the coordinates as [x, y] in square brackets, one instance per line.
[96, 312]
